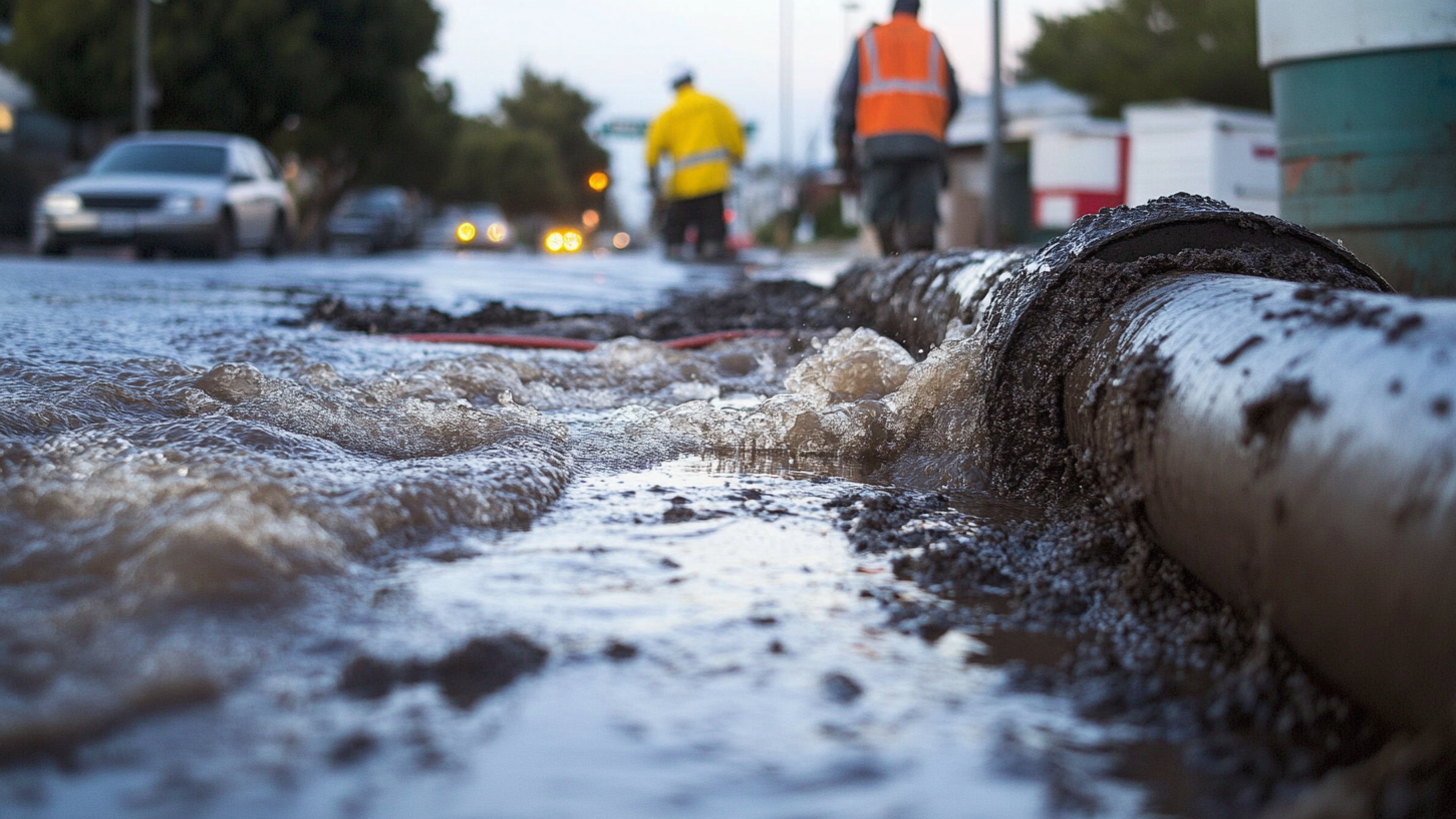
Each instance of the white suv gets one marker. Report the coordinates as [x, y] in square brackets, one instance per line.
[185, 192]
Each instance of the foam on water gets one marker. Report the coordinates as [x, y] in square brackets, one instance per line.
[135, 489]
[860, 397]
[233, 479]
[149, 485]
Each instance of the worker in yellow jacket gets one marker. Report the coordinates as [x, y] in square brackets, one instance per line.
[704, 140]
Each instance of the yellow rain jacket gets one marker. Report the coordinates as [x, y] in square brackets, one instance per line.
[704, 139]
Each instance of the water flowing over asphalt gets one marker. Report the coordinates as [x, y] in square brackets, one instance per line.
[248, 566]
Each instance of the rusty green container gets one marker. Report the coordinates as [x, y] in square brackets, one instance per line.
[1365, 105]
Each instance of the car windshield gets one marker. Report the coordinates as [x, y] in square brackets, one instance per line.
[374, 202]
[184, 160]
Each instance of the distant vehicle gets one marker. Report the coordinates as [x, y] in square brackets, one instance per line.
[563, 240]
[377, 219]
[480, 226]
[184, 192]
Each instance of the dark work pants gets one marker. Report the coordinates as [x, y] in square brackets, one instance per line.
[703, 212]
[902, 202]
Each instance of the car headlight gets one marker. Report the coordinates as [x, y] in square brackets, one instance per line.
[465, 232]
[180, 203]
[496, 232]
[61, 204]
[563, 241]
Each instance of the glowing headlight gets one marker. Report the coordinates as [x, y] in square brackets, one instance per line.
[563, 241]
[465, 232]
[179, 203]
[496, 232]
[61, 204]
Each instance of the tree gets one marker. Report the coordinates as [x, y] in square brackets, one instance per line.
[559, 113]
[258, 62]
[76, 55]
[348, 70]
[1148, 50]
[344, 73]
[416, 146]
[519, 170]
[533, 156]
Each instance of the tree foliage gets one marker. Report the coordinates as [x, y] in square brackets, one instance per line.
[533, 156]
[76, 54]
[1149, 50]
[343, 74]
[519, 169]
[243, 66]
[336, 82]
[558, 113]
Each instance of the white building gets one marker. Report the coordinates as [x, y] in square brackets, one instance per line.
[1061, 163]
[1226, 153]
[1077, 168]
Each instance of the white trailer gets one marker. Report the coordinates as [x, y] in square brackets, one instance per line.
[1077, 168]
[1187, 147]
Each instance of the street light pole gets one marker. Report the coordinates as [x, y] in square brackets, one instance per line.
[786, 121]
[140, 66]
[991, 227]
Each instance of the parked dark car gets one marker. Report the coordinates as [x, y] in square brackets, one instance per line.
[185, 192]
[377, 219]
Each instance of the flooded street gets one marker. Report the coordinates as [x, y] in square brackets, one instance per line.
[250, 568]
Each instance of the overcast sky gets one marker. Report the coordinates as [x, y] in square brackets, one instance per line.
[619, 53]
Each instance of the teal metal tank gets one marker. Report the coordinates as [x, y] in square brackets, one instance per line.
[1365, 106]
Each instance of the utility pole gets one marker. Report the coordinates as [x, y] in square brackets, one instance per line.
[143, 95]
[786, 123]
[991, 227]
[140, 66]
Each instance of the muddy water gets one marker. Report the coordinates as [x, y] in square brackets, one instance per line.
[252, 568]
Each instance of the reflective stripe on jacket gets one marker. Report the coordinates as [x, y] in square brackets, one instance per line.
[904, 81]
[704, 139]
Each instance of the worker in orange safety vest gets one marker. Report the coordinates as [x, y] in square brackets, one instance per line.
[897, 95]
[704, 140]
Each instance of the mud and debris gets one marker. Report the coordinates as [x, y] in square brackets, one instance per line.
[480, 667]
[1268, 418]
[1244, 346]
[1327, 306]
[786, 305]
[841, 688]
[1143, 642]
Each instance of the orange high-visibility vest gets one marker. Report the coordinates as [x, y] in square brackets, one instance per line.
[903, 81]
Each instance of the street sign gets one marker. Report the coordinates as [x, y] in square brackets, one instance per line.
[637, 128]
[624, 128]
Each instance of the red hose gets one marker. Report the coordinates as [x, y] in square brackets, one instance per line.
[582, 345]
[694, 342]
[531, 342]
